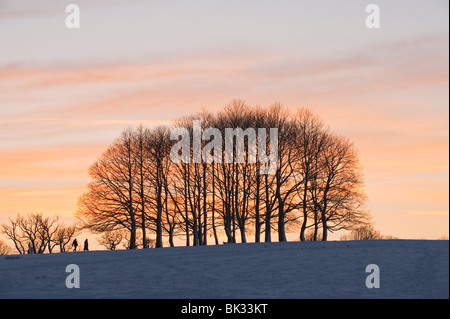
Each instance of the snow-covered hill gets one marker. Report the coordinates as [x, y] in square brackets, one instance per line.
[407, 269]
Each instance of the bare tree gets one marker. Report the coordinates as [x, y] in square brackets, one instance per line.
[19, 237]
[33, 230]
[4, 248]
[64, 235]
[158, 150]
[141, 139]
[110, 202]
[340, 197]
[311, 137]
[317, 183]
[365, 232]
[111, 239]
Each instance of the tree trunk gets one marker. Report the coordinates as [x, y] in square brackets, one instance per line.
[144, 234]
[324, 229]
[186, 208]
[158, 243]
[133, 221]
[171, 236]
[257, 222]
[316, 224]
[227, 222]
[281, 230]
[159, 206]
[324, 217]
[268, 236]
[213, 208]
[305, 212]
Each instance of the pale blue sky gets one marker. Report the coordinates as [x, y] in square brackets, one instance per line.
[34, 31]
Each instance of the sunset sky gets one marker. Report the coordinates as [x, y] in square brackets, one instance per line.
[66, 94]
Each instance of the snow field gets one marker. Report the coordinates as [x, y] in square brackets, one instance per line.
[408, 269]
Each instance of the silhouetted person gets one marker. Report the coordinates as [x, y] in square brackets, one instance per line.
[86, 245]
[75, 244]
[30, 248]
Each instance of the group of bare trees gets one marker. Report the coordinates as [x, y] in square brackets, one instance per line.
[37, 234]
[365, 232]
[317, 186]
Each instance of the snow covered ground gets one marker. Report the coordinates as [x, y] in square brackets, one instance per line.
[408, 269]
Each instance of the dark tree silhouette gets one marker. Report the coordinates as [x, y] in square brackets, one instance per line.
[316, 182]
